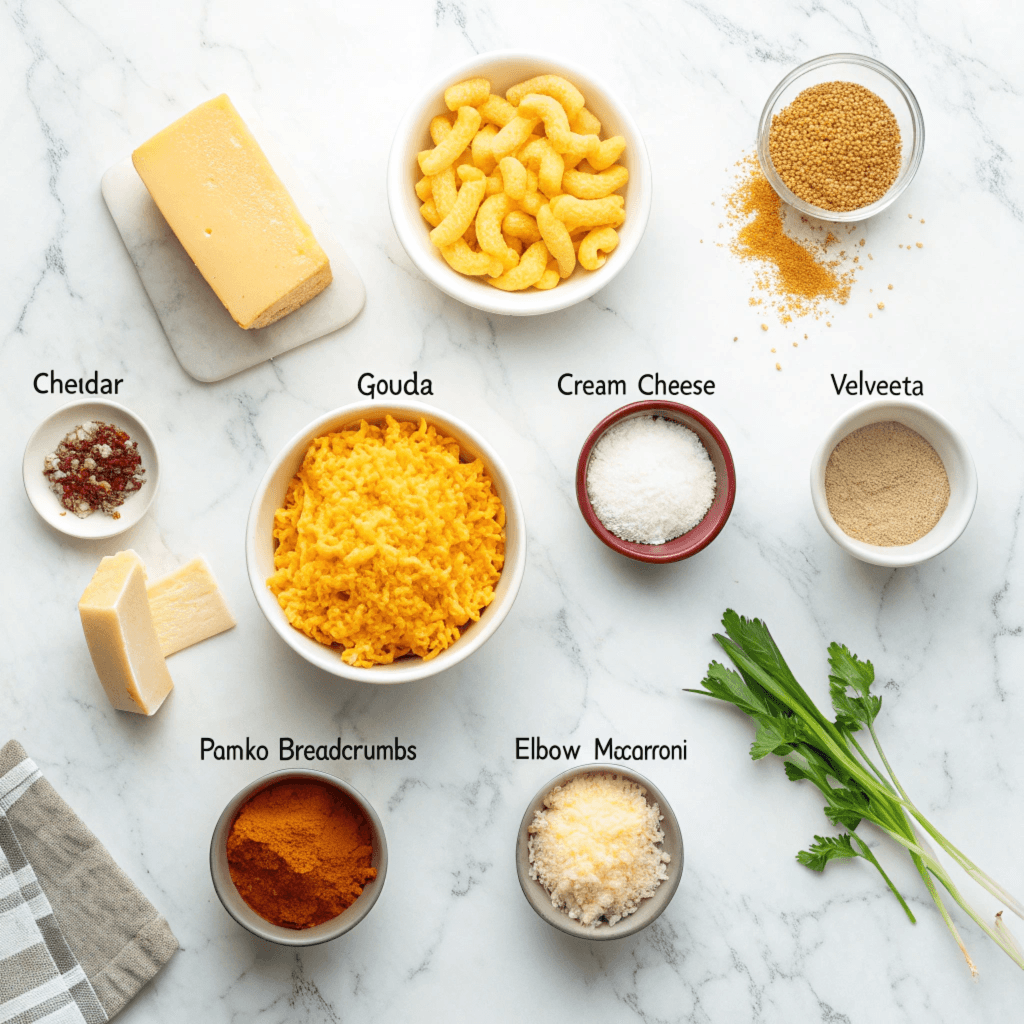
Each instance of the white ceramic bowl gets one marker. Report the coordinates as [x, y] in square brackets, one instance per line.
[505, 68]
[51, 432]
[259, 543]
[950, 447]
[232, 900]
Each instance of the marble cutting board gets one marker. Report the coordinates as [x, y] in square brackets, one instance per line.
[208, 343]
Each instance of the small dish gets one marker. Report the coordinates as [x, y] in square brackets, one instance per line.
[245, 915]
[649, 910]
[259, 543]
[950, 447]
[505, 68]
[709, 527]
[51, 432]
[884, 83]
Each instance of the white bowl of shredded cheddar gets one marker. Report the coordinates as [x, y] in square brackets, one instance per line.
[605, 116]
[386, 543]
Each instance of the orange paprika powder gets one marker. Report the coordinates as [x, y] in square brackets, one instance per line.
[299, 853]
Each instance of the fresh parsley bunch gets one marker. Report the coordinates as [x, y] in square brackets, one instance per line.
[827, 753]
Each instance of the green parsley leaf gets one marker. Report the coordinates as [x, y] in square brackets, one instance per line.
[775, 736]
[723, 683]
[826, 848]
[850, 673]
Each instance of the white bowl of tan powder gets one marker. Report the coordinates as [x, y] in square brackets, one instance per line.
[893, 483]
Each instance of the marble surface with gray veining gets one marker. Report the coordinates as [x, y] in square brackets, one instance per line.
[596, 646]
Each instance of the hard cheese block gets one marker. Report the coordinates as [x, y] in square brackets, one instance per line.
[187, 606]
[121, 636]
[232, 214]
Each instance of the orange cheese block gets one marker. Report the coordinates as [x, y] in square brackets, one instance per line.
[232, 214]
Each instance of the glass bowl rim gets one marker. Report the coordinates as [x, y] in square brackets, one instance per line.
[895, 190]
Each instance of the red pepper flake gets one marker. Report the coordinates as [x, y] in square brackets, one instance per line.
[94, 469]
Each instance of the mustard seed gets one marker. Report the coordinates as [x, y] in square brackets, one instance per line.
[837, 145]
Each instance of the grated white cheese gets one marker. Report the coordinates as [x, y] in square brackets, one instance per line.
[595, 847]
[650, 479]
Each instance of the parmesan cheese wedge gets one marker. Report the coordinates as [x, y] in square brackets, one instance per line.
[232, 214]
[187, 607]
[121, 636]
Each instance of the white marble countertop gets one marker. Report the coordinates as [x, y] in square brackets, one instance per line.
[596, 645]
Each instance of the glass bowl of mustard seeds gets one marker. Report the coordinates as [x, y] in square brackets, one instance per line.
[841, 137]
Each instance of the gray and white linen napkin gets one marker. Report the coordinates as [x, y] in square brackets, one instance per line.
[77, 938]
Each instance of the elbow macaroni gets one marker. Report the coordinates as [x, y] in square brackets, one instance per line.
[519, 190]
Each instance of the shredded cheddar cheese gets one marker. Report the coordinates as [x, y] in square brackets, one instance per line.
[387, 543]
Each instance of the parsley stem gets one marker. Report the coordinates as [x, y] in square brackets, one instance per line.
[934, 893]
[868, 855]
[885, 782]
[1004, 929]
[984, 880]
[999, 940]
[885, 761]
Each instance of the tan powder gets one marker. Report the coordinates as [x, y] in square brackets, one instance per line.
[886, 485]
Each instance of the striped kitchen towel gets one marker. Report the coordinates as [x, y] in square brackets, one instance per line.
[77, 938]
[40, 979]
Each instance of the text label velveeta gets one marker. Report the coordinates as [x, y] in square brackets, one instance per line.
[859, 386]
[533, 748]
[650, 385]
[290, 750]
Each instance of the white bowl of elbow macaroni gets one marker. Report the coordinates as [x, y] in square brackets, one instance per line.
[504, 69]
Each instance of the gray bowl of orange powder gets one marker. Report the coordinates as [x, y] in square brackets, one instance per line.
[298, 857]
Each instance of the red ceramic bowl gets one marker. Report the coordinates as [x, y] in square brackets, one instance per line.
[725, 494]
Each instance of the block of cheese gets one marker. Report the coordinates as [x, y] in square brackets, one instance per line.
[122, 639]
[232, 214]
[187, 606]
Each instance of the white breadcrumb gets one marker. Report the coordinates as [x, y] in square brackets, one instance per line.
[595, 847]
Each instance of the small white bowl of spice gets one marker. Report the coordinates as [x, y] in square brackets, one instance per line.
[599, 852]
[91, 469]
[893, 483]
